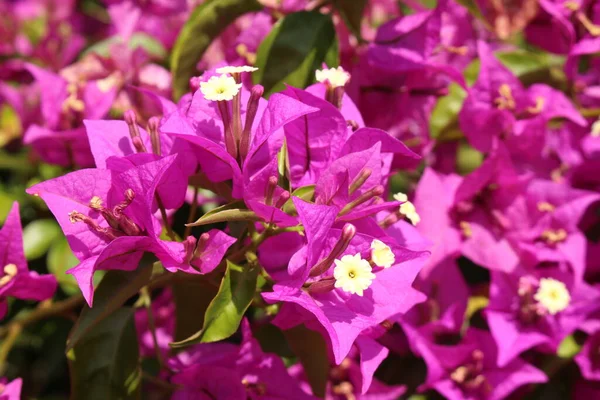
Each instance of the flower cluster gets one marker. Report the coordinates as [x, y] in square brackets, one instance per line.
[418, 214]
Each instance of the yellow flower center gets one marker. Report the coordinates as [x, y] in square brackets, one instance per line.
[544, 206]
[506, 99]
[539, 106]
[553, 295]
[465, 228]
[554, 236]
[10, 271]
[381, 254]
[353, 274]
[596, 128]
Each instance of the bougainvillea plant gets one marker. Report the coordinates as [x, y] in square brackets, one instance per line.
[300, 199]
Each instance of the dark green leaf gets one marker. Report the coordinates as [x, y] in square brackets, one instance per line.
[352, 13]
[113, 291]
[311, 349]
[206, 22]
[296, 47]
[192, 296]
[38, 236]
[225, 312]
[235, 211]
[105, 362]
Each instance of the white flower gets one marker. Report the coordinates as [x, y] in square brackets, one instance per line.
[353, 274]
[235, 70]
[553, 295]
[220, 88]
[381, 254]
[408, 209]
[336, 77]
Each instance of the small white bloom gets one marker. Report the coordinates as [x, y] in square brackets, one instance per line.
[553, 295]
[235, 70]
[381, 254]
[353, 274]
[400, 197]
[220, 88]
[336, 77]
[408, 209]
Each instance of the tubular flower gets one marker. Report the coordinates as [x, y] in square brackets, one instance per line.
[235, 69]
[220, 88]
[335, 77]
[553, 295]
[381, 254]
[408, 208]
[353, 274]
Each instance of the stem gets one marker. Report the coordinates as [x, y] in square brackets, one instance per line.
[163, 214]
[166, 386]
[44, 310]
[147, 301]
[192, 214]
[13, 333]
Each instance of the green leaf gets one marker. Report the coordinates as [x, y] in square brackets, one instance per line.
[234, 211]
[296, 47]
[444, 118]
[472, 7]
[529, 67]
[60, 258]
[225, 312]
[311, 349]
[105, 362]
[38, 236]
[468, 159]
[351, 12]
[522, 62]
[569, 347]
[113, 291]
[192, 297]
[306, 193]
[138, 40]
[206, 22]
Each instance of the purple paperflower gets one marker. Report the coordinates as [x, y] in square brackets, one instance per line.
[16, 279]
[224, 150]
[322, 296]
[498, 106]
[536, 308]
[469, 370]
[223, 370]
[10, 390]
[108, 220]
[347, 379]
[61, 140]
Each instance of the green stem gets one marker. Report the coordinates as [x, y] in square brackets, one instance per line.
[163, 214]
[192, 214]
[147, 301]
